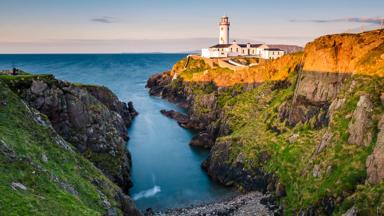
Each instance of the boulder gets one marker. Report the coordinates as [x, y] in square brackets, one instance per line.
[293, 138]
[182, 119]
[202, 139]
[316, 172]
[351, 212]
[335, 105]
[325, 141]
[38, 87]
[18, 186]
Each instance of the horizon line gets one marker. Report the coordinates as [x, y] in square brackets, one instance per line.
[94, 53]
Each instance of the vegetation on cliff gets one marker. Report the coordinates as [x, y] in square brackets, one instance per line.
[207, 70]
[42, 173]
[307, 127]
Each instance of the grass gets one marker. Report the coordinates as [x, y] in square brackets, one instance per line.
[28, 141]
[250, 116]
[253, 117]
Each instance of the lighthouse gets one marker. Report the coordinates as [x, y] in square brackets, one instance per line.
[224, 30]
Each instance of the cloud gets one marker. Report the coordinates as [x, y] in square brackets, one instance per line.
[104, 19]
[371, 20]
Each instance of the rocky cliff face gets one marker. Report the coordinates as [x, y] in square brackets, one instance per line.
[40, 170]
[346, 53]
[303, 131]
[90, 117]
[375, 162]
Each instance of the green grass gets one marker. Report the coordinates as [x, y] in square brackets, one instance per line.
[29, 140]
[250, 115]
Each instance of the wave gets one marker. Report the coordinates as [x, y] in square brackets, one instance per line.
[147, 193]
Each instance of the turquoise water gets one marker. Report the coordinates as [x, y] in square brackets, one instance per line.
[166, 170]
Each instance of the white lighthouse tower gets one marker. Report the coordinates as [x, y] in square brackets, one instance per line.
[224, 30]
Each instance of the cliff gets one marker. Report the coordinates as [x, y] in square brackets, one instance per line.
[49, 128]
[208, 70]
[308, 129]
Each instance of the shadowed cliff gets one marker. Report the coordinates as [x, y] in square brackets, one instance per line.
[62, 148]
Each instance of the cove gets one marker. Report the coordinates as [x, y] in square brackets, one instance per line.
[166, 171]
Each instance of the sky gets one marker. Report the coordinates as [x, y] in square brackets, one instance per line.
[132, 26]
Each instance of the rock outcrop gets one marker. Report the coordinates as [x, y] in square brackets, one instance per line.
[304, 120]
[90, 117]
[183, 120]
[249, 204]
[360, 129]
[41, 171]
[218, 167]
[327, 62]
[375, 162]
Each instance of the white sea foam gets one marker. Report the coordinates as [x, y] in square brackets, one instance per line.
[147, 193]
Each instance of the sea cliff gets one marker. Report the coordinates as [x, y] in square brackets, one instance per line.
[306, 127]
[62, 148]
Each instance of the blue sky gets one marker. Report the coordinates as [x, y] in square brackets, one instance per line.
[99, 26]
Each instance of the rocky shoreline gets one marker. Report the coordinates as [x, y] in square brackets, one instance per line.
[303, 133]
[160, 85]
[250, 204]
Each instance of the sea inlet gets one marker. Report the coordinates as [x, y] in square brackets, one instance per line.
[166, 171]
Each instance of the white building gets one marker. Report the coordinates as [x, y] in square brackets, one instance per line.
[224, 49]
[272, 53]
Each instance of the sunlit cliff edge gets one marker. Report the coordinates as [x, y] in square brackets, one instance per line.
[306, 128]
[343, 53]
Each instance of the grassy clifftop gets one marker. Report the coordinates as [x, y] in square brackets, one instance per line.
[203, 70]
[43, 174]
[310, 131]
[314, 164]
[344, 53]
[58, 181]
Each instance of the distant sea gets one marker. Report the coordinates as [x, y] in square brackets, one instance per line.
[166, 170]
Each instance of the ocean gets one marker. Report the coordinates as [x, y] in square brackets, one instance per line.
[166, 171]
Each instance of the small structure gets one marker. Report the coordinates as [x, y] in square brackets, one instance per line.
[224, 49]
[272, 53]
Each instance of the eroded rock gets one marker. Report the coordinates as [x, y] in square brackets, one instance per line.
[359, 128]
[375, 162]
[38, 87]
[325, 141]
[335, 105]
[221, 169]
[89, 117]
[351, 212]
[202, 139]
